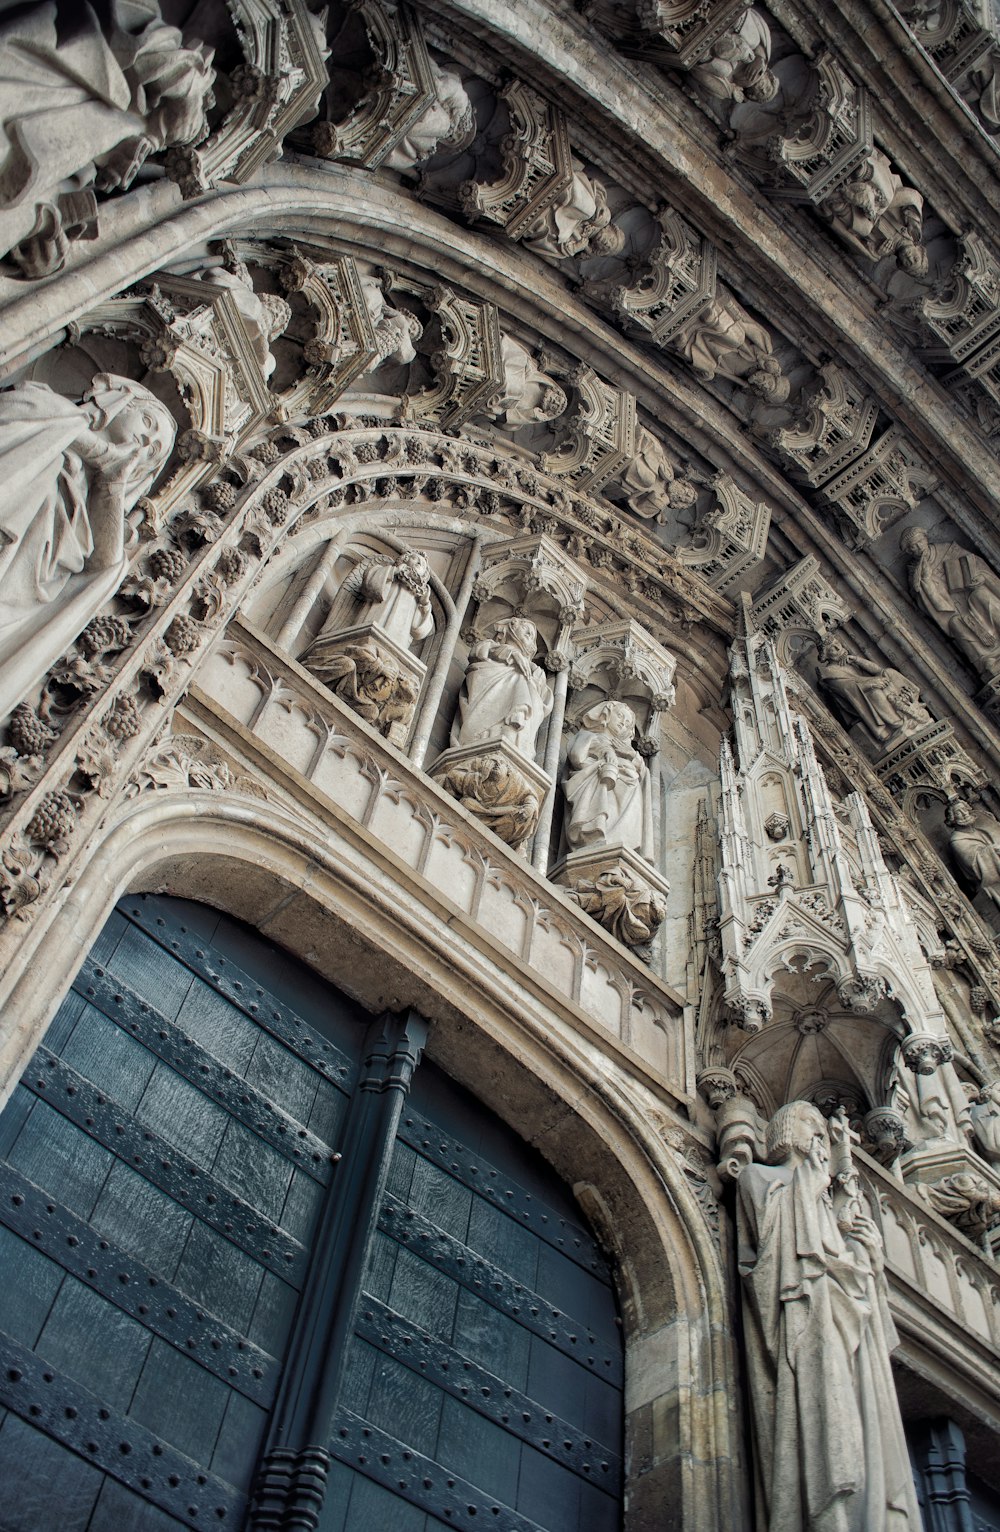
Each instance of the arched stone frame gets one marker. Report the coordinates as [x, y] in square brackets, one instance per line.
[608, 1127]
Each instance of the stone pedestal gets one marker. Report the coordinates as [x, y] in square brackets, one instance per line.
[496, 783]
[959, 1185]
[373, 674]
[618, 888]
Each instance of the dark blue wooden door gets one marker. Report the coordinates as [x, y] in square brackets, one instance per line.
[164, 1166]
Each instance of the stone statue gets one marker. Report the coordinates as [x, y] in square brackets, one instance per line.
[652, 488]
[69, 474]
[959, 591]
[505, 694]
[83, 106]
[607, 784]
[881, 213]
[399, 595]
[448, 120]
[829, 1446]
[529, 395]
[975, 849]
[578, 222]
[736, 68]
[984, 1117]
[880, 698]
[395, 329]
[722, 340]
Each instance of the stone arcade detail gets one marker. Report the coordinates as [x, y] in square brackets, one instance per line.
[547, 576]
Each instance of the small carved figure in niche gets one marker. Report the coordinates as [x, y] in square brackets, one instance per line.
[505, 694]
[974, 844]
[69, 475]
[737, 69]
[529, 395]
[578, 222]
[724, 341]
[880, 698]
[881, 213]
[830, 1450]
[146, 91]
[448, 120]
[984, 1115]
[607, 784]
[653, 489]
[395, 329]
[959, 591]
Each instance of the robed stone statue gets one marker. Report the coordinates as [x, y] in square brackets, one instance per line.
[830, 1454]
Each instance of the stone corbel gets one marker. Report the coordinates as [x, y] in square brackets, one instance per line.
[277, 87]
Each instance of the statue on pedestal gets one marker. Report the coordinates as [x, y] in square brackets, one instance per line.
[975, 849]
[829, 1445]
[880, 698]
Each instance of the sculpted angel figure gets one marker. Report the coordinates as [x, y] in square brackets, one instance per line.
[577, 223]
[84, 105]
[505, 694]
[830, 1455]
[607, 783]
[69, 475]
[959, 591]
[448, 120]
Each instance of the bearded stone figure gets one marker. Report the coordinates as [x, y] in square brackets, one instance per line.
[145, 91]
[975, 849]
[880, 698]
[959, 591]
[69, 475]
[829, 1447]
[505, 695]
[607, 783]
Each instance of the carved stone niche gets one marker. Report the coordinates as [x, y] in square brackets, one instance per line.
[404, 88]
[537, 165]
[677, 284]
[685, 30]
[611, 875]
[278, 86]
[800, 598]
[596, 437]
[345, 344]
[963, 315]
[730, 538]
[466, 359]
[196, 331]
[527, 597]
[833, 426]
[828, 146]
[878, 487]
[370, 663]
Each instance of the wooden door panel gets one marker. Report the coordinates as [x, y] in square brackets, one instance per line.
[164, 1163]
